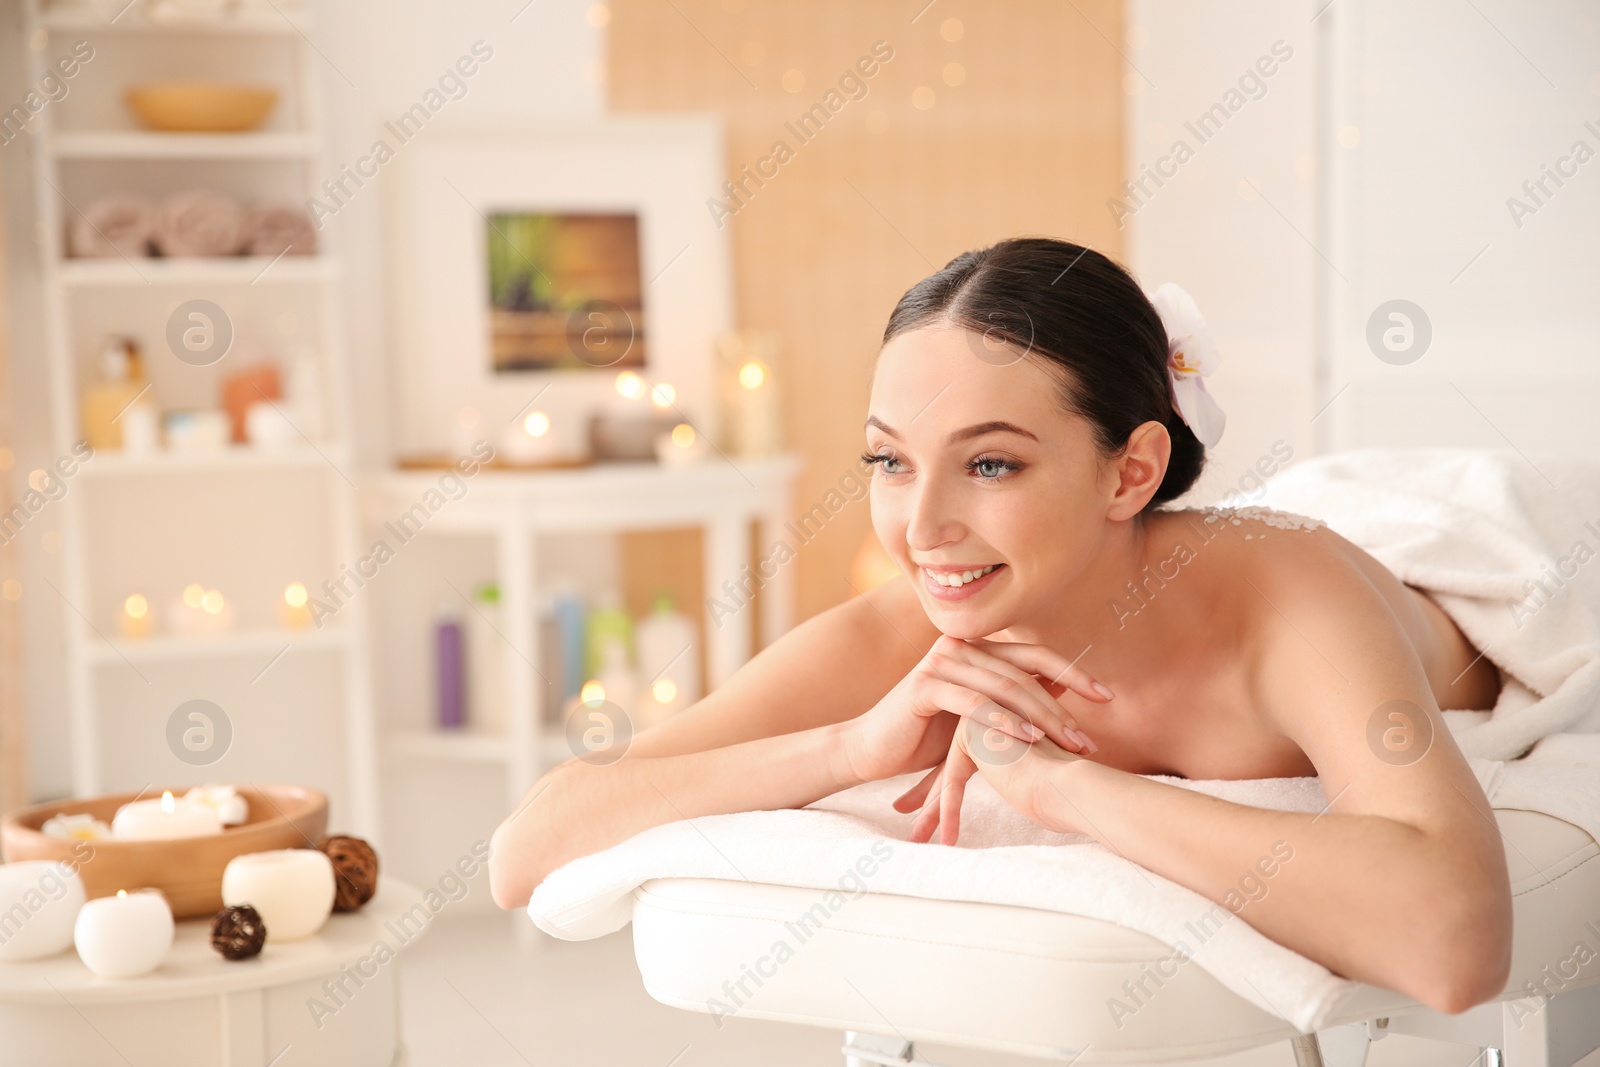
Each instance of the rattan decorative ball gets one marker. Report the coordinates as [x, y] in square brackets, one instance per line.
[355, 870]
[238, 932]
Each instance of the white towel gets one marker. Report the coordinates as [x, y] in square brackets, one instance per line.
[200, 222]
[120, 224]
[1509, 530]
[1505, 544]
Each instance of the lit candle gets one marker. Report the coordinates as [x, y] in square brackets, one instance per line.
[629, 385]
[292, 889]
[200, 611]
[295, 609]
[681, 448]
[126, 935]
[136, 619]
[39, 901]
[150, 820]
[531, 440]
[756, 418]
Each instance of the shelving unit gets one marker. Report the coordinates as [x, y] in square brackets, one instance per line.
[247, 270]
[512, 508]
[139, 145]
[113, 465]
[275, 21]
[72, 287]
[260, 641]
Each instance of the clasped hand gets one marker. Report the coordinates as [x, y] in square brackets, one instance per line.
[1005, 698]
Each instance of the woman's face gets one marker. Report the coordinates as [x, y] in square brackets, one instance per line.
[981, 467]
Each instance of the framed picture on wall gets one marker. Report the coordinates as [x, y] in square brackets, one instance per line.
[537, 266]
[564, 291]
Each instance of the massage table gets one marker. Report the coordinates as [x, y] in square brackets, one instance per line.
[890, 971]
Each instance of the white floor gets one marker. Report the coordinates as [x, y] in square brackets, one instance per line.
[482, 990]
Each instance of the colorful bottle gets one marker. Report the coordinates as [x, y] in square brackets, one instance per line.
[607, 623]
[119, 386]
[448, 679]
[569, 621]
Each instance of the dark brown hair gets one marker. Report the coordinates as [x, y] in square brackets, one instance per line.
[1085, 317]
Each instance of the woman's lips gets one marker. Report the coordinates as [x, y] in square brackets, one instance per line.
[960, 592]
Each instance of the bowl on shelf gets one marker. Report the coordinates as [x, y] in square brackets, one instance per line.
[188, 870]
[201, 107]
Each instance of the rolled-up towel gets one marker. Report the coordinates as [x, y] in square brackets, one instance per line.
[117, 225]
[270, 228]
[201, 222]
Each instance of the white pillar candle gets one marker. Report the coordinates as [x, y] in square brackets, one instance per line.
[151, 820]
[126, 935]
[39, 901]
[292, 889]
[231, 808]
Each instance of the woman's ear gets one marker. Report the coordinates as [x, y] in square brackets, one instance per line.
[1139, 469]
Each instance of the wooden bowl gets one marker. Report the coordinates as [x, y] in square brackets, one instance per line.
[187, 869]
[201, 107]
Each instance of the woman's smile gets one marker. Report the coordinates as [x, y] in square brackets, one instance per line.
[959, 583]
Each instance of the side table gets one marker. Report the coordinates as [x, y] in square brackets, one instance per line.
[327, 999]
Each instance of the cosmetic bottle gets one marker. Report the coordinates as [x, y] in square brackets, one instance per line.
[606, 624]
[567, 607]
[669, 660]
[118, 386]
[447, 661]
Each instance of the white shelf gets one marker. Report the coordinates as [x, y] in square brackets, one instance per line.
[226, 270]
[266, 640]
[141, 144]
[235, 458]
[457, 745]
[265, 23]
[465, 746]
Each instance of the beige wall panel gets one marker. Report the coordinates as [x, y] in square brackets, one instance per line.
[1028, 142]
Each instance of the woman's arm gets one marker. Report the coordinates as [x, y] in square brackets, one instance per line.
[1402, 880]
[578, 808]
[763, 740]
[1370, 897]
[882, 712]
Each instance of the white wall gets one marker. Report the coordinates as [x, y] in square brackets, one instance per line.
[382, 56]
[1436, 112]
[1247, 268]
[547, 63]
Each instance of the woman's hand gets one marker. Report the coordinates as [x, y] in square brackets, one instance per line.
[994, 683]
[1021, 772]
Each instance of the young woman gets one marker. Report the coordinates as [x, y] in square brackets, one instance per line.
[1059, 632]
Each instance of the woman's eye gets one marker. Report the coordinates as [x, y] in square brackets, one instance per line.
[990, 469]
[882, 460]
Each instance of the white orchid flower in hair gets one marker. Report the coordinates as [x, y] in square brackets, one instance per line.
[1191, 357]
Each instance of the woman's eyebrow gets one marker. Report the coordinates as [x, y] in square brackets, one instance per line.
[873, 420]
[993, 426]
